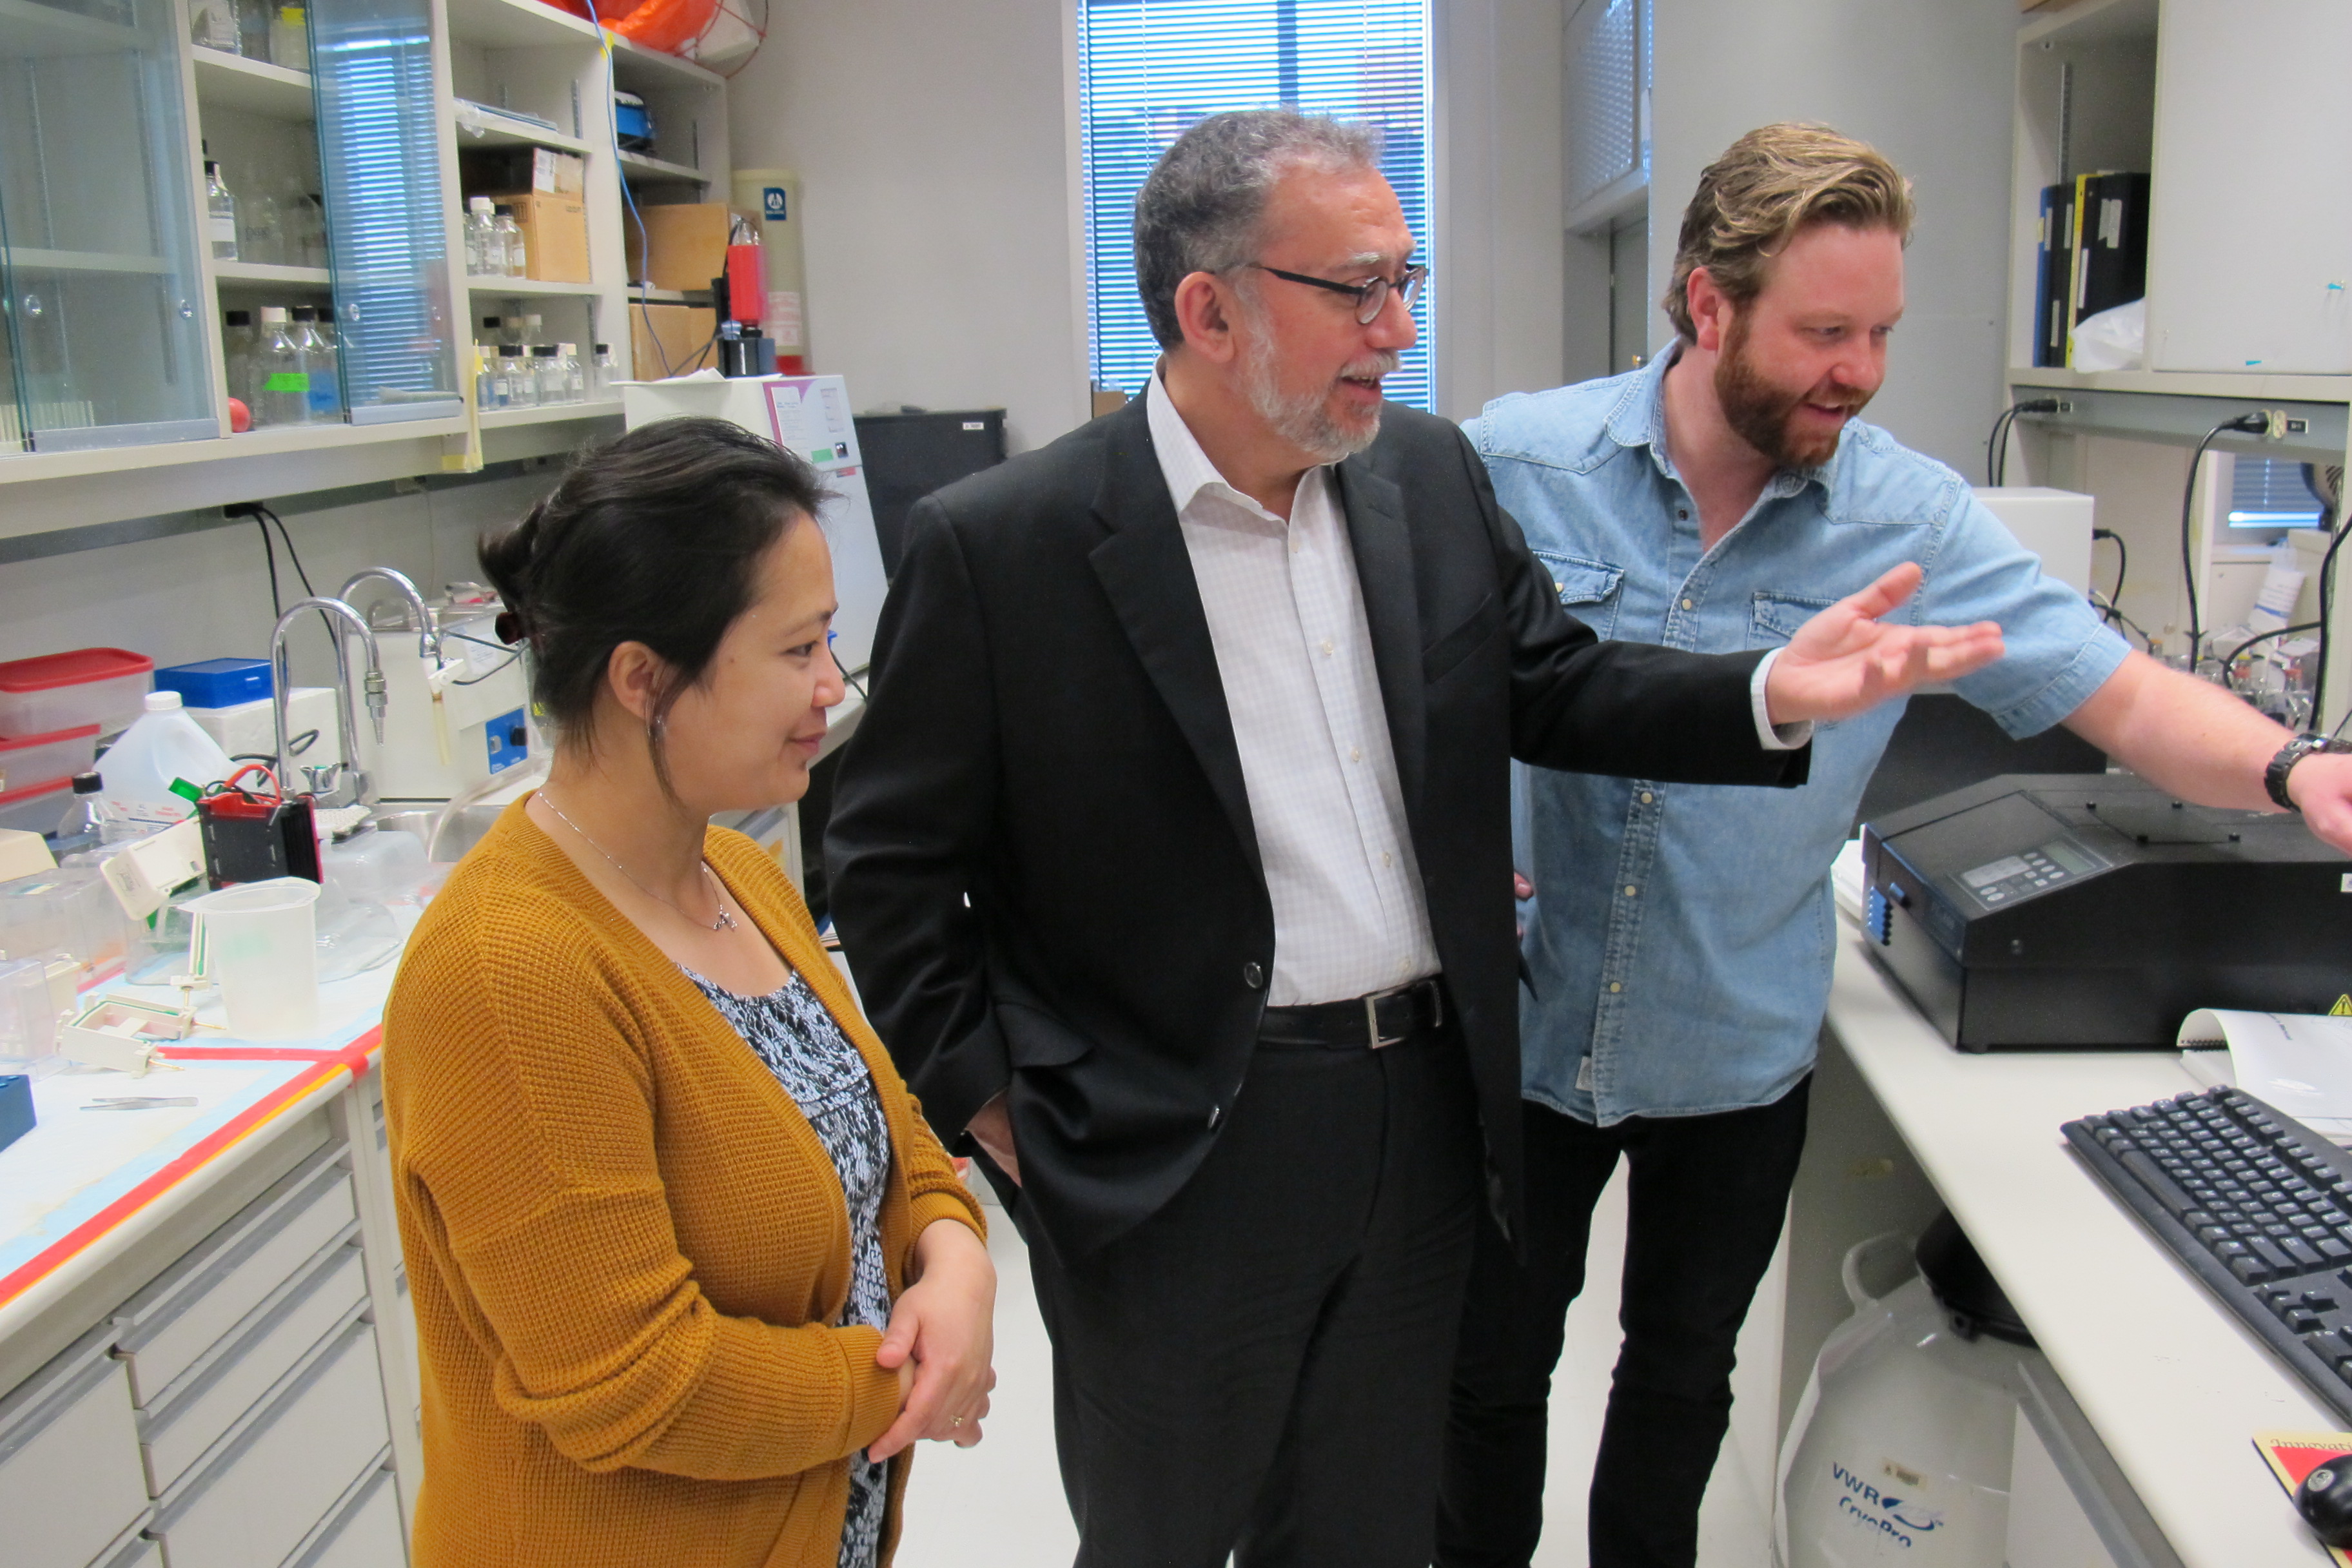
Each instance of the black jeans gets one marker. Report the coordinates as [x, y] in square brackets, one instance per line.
[1707, 1196]
[1261, 1367]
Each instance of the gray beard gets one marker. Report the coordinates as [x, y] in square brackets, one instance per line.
[1301, 418]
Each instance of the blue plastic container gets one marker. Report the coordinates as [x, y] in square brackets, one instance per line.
[15, 1108]
[217, 682]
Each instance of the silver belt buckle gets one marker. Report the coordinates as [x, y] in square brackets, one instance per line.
[1372, 1024]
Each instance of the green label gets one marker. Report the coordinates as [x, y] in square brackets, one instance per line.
[286, 381]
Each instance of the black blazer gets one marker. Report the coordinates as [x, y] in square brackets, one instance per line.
[1041, 860]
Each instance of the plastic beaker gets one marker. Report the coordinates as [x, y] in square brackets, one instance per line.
[259, 941]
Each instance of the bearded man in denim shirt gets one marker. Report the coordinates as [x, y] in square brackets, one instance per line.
[1679, 942]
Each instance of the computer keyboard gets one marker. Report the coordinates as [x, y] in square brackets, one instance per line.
[2257, 1206]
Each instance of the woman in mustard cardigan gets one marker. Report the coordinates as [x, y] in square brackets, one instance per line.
[689, 1267]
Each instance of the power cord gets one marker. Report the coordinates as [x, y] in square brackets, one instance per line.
[2123, 562]
[2253, 424]
[2326, 607]
[1997, 448]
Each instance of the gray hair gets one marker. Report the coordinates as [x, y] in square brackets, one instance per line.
[1201, 209]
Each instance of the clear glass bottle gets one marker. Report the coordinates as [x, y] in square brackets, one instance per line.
[547, 374]
[491, 390]
[605, 375]
[220, 214]
[260, 228]
[253, 29]
[522, 384]
[213, 25]
[485, 254]
[534, 331]
[289, 38]
[512, 253]
[575, 375]
[323, 386]
[83, 825]
[281, 389]
[237, 355]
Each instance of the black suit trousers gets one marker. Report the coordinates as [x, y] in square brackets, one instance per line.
[1261, 1366]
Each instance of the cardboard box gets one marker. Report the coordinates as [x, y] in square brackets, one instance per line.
[684, 246]
[540, 169]
[554, 234]
[671, 340]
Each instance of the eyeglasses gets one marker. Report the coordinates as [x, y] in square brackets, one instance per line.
[1369, 297]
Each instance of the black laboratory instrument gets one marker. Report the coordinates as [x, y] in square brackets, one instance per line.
[2080, 910]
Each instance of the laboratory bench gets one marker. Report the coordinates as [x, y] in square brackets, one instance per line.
[206, 1354]
[2162, 1390]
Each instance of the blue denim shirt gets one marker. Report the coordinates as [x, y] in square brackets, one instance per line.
[1681, 935]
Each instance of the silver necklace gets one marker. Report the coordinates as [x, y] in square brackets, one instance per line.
[725, 920]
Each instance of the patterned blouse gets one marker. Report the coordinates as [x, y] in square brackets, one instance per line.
[791, 1031]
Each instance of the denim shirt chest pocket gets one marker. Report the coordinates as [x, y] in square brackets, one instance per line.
[1775, 617]
[1588, 589]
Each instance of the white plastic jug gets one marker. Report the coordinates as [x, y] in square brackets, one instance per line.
[259, 941]
[1900, 1448]
[162, 744]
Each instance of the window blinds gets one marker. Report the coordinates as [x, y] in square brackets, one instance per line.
[1150, 68]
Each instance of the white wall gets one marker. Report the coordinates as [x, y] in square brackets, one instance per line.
[936, 170]
[1498, 252]
[1929, 83]
[206, 595]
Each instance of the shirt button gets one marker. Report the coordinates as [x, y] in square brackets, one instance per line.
[1560, 587]
[1615, 987]
[1631, 890]
[1252, 976]
[1387, 859]
[1647, 798]
[1293, 544]
[1355, 753]
[1683, 513]
[1687, 604]
[1326, 647]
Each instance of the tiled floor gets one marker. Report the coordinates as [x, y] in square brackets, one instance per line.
[1000, 1505]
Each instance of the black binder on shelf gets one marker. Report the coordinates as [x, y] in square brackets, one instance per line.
[2055, 275]
[2110, 244]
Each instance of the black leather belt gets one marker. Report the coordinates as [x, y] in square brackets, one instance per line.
[1366, 1022]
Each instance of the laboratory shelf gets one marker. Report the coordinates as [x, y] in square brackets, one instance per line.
[639, 169]
[2253, 387]
[40, 32]
[270, 272]
[554, 413]
[34, 260]
[632, 60]
[480, 129]
[517, 25]
[529, 288]
[647, 294]
[255, 87]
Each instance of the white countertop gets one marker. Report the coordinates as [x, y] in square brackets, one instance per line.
[2174, 1387]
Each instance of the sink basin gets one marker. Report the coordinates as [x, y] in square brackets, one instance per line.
[464, 829]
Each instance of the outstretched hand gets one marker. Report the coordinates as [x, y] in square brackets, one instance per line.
[1846, 660]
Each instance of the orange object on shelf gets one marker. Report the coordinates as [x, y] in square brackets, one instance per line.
[665, 25]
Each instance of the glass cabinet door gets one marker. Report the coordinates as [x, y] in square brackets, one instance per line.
[380, 152]
[98, 273]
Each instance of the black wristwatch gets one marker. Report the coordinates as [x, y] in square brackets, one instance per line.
[2294, 751]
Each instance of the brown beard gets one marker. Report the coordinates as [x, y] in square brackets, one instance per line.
[1760, 413]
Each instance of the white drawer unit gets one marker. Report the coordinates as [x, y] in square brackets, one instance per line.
[185, 1310]
[70, 1476]
[262, 1488]
[365, 1529]
[226, 1381]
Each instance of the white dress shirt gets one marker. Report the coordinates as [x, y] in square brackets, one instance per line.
[1295, 654]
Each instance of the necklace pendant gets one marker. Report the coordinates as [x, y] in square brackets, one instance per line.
[726, 921]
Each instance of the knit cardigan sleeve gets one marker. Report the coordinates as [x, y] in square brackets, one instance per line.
[552, 1212]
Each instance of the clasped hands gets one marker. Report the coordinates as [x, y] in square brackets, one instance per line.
[940, 1341]
[1846, 660]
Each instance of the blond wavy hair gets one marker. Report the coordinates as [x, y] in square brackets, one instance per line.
[1768, 187]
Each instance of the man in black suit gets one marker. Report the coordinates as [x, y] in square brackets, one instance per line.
[1172, 859]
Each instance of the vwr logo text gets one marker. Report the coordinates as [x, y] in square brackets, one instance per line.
[1874, 1510]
